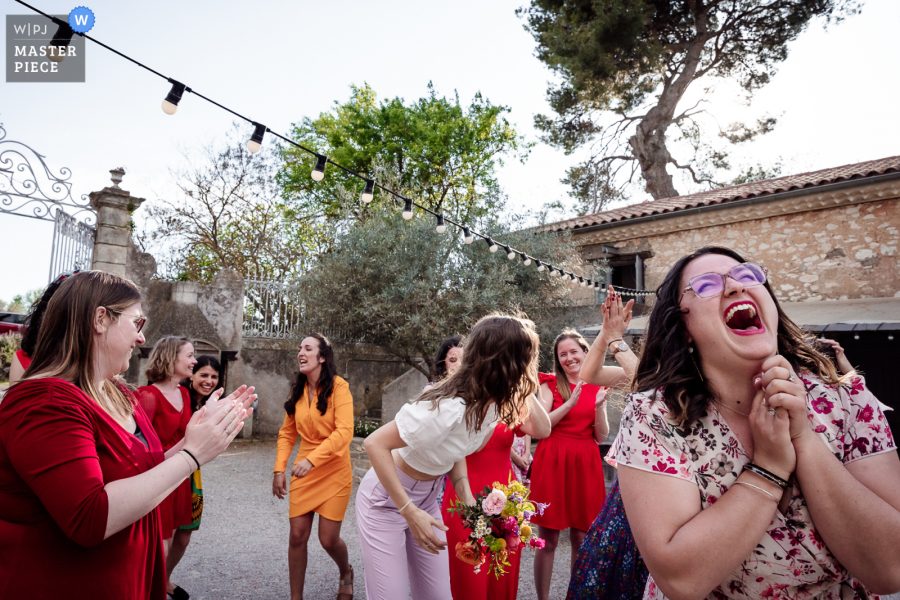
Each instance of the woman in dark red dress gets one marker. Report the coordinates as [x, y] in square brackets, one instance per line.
[168, 404]
[81, 469]
[567, 471]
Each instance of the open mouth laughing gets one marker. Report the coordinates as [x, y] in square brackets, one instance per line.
[742, 318]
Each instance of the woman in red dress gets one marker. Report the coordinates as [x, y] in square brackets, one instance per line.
[21, 360]
[567, 471]
[168, 404]
[491, 463]
[81, 469]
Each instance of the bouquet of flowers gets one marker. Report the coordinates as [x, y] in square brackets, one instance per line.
[500, 524]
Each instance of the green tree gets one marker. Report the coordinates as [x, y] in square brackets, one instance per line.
[434, 150]
[625, 65]
[231, 215]
[404, 287]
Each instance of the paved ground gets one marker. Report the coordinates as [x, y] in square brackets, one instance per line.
[240, 550]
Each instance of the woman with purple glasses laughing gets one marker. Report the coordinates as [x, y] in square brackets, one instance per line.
[780, 477]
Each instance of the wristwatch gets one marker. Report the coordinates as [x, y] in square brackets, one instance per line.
[617, 346]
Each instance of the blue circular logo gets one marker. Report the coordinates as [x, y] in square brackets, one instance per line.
[81, 19]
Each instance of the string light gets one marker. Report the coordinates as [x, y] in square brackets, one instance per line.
[64, 35]
[318, 172]
[254, 145]
[170, 104]
[441, 227]
[60, 42]
[368, 192]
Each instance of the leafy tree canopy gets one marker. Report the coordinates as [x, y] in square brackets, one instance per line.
[435, 150]
[624, 65]
[232, 215]
[400, 285]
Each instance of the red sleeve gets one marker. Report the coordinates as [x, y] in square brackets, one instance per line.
[548, 378]
[147, 399]
[24, 359]
[54, 452]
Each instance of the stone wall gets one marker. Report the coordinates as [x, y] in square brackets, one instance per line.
[841, 253]
[271, 366]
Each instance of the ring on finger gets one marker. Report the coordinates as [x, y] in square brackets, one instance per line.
[790, 377]
[771, 411]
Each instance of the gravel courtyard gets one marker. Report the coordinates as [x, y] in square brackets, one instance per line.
[240, 550]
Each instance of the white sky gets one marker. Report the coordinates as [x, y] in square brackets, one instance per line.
[278, 62]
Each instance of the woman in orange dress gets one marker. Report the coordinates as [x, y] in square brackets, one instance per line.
[320, 412]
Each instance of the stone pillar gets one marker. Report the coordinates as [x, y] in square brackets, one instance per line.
[114, 207]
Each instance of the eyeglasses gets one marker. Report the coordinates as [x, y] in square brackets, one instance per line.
[138, 321]
[710, 285]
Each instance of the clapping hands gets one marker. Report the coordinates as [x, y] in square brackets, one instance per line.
[616, 316]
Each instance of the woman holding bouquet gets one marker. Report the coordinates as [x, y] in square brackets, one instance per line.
[400, 527]
[567, 471]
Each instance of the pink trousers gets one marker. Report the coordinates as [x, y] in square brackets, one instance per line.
[395, 566]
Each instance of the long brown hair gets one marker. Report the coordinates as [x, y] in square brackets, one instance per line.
[161, 364]
[65, 340]
[562, 381]
[668, 365]
[325, 384]
[499, 369]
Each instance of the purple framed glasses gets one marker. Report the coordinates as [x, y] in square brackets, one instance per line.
[711, 285]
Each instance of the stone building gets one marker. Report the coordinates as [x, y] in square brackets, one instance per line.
[829, 238]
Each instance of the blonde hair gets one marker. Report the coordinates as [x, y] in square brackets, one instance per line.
[161, 364]
[65, 342]
[499, 368]
[562, 381]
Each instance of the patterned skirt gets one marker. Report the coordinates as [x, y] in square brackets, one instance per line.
[608, 564]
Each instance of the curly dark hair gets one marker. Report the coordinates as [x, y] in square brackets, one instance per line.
[667, 365]
[440, 359]
[36, 314]
[326, 378]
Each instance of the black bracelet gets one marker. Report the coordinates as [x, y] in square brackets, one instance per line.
[765, 474]
[194, 458]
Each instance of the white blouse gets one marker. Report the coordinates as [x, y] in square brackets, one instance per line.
[437, 438]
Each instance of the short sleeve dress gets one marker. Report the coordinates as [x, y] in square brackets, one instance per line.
[567, 471]
[791, 560]
[325, 442]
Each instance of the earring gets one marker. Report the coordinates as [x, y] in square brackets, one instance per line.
[693, 360]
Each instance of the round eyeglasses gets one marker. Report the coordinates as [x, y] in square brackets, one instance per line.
[711, 285]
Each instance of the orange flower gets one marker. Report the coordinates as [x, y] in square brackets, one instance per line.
[469, 553]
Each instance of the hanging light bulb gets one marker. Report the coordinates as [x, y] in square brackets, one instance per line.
[441, 227]
[540, 265]
[318, 172]
[553, 272]
[510, 253]
[58, 46]
[368, 192]
[407, 210]
[526, 260]
[492, 247]
[468, 238]
[170, 104]
[254, 145]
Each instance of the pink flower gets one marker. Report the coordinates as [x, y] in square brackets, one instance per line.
[866, 414]
[662, 467]
[821, 405]
[820, 429]
[494, 502]
[536, 542]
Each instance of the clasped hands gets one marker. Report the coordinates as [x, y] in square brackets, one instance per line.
[778, 416]
[616, 316]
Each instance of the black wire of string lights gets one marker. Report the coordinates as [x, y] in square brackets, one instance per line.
[254, 145]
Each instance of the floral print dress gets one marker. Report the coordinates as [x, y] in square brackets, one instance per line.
[791, 560]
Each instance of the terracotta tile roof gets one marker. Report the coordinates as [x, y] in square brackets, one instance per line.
[732, 193]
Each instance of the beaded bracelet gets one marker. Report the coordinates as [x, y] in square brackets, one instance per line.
[767, 475]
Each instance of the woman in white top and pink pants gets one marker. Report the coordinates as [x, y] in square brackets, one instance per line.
[403, 542]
